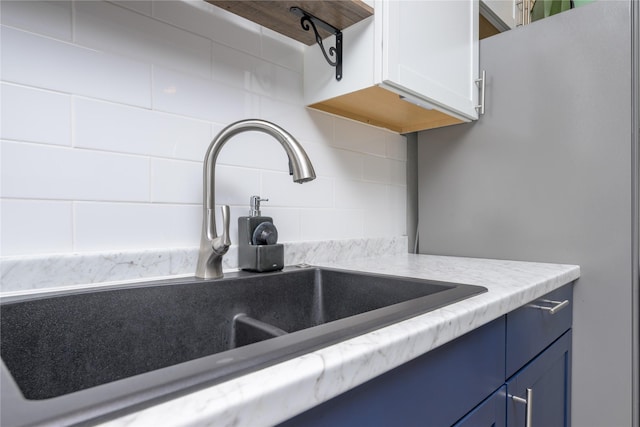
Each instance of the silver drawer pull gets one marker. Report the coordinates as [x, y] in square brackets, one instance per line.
[557, 305]
[529, 406]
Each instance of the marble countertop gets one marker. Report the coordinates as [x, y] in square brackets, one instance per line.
[278, 392]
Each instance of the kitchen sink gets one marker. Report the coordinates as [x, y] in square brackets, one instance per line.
[93, 354]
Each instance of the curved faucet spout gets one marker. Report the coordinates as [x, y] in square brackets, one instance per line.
[212, 246]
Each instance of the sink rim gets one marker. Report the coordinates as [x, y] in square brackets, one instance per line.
[99, 404]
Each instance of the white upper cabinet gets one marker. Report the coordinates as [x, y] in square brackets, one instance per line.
[429, 49]
[411, 66]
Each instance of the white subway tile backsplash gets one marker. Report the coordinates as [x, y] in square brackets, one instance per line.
[212, 22]
[303, 123]
[108, 226]
[333, 162]
[46, 172]
[287, 85]
[235, 185]
[175, 181]
[398, 171]
[114, 127]
[377, 169]
[111, 28]
[67, 68]
[181, 182]
[282, 50]
[397, 147]
[325, 224]
[398, 212]
[108, 109]
[143, 6]
[351, 135]
[49, 18]
[201, 98]
[390, 220]
[361, 195]
[30, 227]
[35, 115]
[250, 73]
[286, 220]
[379, 223]
[384, 170]
[282, 191]
[234, 68]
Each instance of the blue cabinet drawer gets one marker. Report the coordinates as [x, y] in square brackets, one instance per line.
[535, 326]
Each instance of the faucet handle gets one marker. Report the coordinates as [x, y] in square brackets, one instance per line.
[254, 202]
[222, 243]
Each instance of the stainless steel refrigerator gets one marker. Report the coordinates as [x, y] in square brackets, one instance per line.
[550, 174]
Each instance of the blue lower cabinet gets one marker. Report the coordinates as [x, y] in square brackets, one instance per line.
[490, 413]
[542, 389]
[436, 389]
[478, 380]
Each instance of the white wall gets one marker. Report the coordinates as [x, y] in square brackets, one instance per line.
[108, 108]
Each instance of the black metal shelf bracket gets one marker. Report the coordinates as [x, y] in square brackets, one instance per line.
[308, 22]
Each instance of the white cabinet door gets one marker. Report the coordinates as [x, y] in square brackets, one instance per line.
[430, 51]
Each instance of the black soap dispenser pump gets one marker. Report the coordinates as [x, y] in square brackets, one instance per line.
[258, 247]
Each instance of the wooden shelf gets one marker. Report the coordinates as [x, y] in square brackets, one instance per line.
[276, 16]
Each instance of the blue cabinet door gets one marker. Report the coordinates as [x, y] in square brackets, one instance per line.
[490, 413]
[548, 377]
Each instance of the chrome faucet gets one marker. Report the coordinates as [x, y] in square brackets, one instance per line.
[212, 246]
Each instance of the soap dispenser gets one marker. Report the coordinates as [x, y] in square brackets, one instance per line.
[258, 247]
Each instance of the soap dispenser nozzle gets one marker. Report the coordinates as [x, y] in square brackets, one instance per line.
[255, 205]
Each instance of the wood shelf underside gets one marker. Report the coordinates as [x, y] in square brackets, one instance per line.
[380, 107]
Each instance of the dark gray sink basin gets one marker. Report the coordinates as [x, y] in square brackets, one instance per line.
[90, 355]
